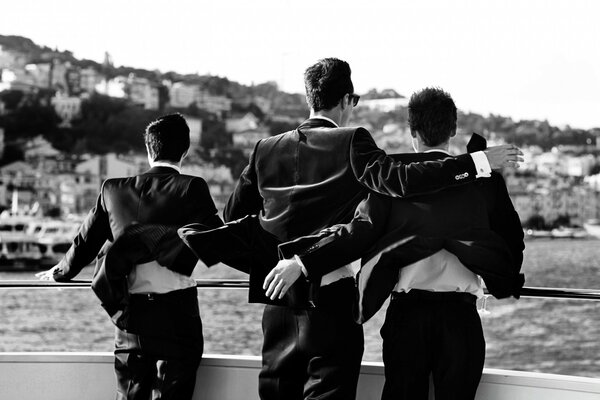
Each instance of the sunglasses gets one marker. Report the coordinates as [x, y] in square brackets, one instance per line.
[354, 98]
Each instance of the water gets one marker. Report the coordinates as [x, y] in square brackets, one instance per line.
[553, 336]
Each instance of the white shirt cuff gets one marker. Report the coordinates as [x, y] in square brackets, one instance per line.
[299, 261]
[482, 165]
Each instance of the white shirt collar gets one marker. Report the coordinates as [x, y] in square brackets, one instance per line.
[325, 118]
[165, 164]
[437, 151]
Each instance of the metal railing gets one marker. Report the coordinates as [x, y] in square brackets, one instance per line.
[532, 292]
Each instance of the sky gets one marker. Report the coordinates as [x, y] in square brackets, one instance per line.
[524, 59]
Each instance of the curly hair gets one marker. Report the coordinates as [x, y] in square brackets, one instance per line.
[432, 115]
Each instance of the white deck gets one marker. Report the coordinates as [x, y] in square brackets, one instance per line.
[90, 376]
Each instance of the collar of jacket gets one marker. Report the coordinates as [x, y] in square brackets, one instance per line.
[161, 170]
[316, 123]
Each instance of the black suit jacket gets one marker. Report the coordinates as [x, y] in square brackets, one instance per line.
[160, 196]
[476, 222]
[138, 244]
[302, 181]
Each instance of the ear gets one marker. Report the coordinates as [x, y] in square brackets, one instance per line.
[413, 133]
[184, 155]
[345, 101]
[453, 133]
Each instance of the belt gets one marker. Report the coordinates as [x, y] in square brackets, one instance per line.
[192, 291]
[427, 296]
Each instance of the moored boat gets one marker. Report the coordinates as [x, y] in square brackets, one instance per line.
[592, 227]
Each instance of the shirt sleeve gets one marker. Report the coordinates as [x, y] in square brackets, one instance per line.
[482, 165]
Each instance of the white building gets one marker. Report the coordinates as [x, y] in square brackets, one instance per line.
[181, 95]
[107, 166]
[580, 166]
[195, 125]
[66, 107]
[246, 140]
[143, 92]
[89, 79]
[245, 123]
[213, 104]
[113, 87]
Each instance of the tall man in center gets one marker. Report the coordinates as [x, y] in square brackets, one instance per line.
[311, 178]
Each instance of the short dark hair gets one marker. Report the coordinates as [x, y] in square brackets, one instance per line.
[167, 138]
[326, 83]
[432, 115]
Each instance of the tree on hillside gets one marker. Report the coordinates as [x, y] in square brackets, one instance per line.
[30, 120]
[110, 125]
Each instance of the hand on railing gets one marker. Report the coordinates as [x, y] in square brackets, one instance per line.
[47, 275]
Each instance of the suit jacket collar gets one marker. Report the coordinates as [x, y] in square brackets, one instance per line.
[316, 123]
[161, 170]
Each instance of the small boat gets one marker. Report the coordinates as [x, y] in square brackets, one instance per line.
[33, 243]
[592, 227]
[568, 233]
[537, 234]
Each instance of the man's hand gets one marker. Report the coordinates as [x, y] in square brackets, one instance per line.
[47, 275]
[506, 155]
[281, 278]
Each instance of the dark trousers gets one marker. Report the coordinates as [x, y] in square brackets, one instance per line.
[437, 334]
[158, 356]
[312, 354]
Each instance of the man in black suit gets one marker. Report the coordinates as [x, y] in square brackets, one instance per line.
[302, 181]
[160, 352]
[430, 252]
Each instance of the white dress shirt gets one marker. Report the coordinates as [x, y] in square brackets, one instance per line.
[441, 272]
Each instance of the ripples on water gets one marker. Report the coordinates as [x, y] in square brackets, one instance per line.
[545, 335]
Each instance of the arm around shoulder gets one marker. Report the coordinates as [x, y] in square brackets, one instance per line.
[377, 171]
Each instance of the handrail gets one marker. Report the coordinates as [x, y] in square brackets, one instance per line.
[85, 283]
[533, 292]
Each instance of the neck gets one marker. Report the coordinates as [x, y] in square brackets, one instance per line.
[176, 165]
[332, 114]
[423, 148]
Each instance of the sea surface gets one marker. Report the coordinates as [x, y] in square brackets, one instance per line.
[545, 335]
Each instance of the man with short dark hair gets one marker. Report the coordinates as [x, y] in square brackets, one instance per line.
[159, 352]
[302, 181]
[429, 253]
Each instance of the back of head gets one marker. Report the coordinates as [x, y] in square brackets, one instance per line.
[432, 116]
[326, 83]
[167, 138]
